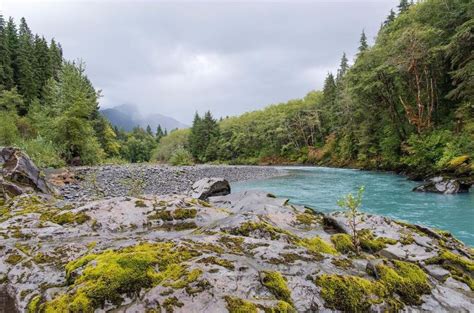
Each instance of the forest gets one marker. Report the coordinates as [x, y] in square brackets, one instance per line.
[405, 103]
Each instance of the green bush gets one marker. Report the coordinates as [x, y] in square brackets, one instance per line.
[8, 131]
[181, 157]
[43, 152]
[169, 144]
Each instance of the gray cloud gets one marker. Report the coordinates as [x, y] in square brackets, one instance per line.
[178, 57]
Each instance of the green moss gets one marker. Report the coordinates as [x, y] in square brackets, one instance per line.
[234, 244]
[343, 243]
[455, 162]
[460, 268]
[125, 271]
[217, 261]
[170, 303]
[276, 283]
[33, 305]
[306, 219]
[349, 293]
[342, 263]
[65, 218]
[407, 239]
[370, 243]
[263, 229]
[23, 248]
[13, 259]
[406, 279]
[237, 305]
[41, 258]
[316, 244]
[177, 214]
[281, 307]
[140, 204]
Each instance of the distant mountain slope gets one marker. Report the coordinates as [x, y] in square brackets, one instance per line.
[126, 117]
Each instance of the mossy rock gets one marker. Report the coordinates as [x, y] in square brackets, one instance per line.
[237, 305]
[276, 284]
[107, 276]
[461, 268]
[343, 243]
[406, 279]
[350, 293]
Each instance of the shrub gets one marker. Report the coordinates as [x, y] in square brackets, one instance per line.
[181, 157]
[43, 152]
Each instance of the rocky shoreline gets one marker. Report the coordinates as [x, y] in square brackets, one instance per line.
[208, 250]
[92, 183]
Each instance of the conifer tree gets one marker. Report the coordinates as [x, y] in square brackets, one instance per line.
[11, 44]
[159, 133]
[42, 64]
[56, 58]
[148, 130]
[6, 70]
[343, 67]
[403, 6]
[26, 78]
[390, 17]
[363, 42]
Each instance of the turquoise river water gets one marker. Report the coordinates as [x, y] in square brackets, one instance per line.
[385, 194]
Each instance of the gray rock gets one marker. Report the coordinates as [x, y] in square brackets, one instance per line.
[209, 187]
[20, 174]
[443, 185]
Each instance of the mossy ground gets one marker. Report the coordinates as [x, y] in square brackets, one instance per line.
[461, 268]
[237, 305]
[126, 271]
[276, 284]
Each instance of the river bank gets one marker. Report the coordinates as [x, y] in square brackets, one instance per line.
[91, 183]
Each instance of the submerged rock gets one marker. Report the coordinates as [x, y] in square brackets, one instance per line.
[244, 252]
[210, 187]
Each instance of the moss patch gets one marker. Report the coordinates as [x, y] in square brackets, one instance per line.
[370, 243]
[276, 283]
[349, 293]
[126, 271]
[460, 268]
[281, 307]
[406, 279]
[177, 214]
[217, 261]
[237, 305]
[343, 243]
[13, 259]
[316, 244]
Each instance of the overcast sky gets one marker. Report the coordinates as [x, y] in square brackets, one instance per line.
[177, 57]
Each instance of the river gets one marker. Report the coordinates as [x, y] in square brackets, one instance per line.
[385, 194]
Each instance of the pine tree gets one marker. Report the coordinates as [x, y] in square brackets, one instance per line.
[148, 130]
[26, 76]
[6, 70]
[42, 65]
[403, 6]
[56, 58]
[195, 142]
[363, 42]
[11, 44]
[159, 133]
[390, 17]
[343, 67]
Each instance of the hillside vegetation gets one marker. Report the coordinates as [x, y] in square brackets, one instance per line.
[406, 103]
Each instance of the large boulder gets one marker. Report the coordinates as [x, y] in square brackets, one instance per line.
[210, 187]
[18, 174]
[444, 185]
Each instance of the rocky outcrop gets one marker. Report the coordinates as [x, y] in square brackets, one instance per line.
[456, 177]
[444, 185]
[210, 187]
[18, 174]
[244, 252]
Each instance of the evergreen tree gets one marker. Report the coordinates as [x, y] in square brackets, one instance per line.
[159, 133]
[195, 142]
[403, 6]
[11, 44]
[363, 42]
[26, 76]
[56, 58]
[6, 70]
[390, 17]
[343, 67]
[42, 64]
[148, 130]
